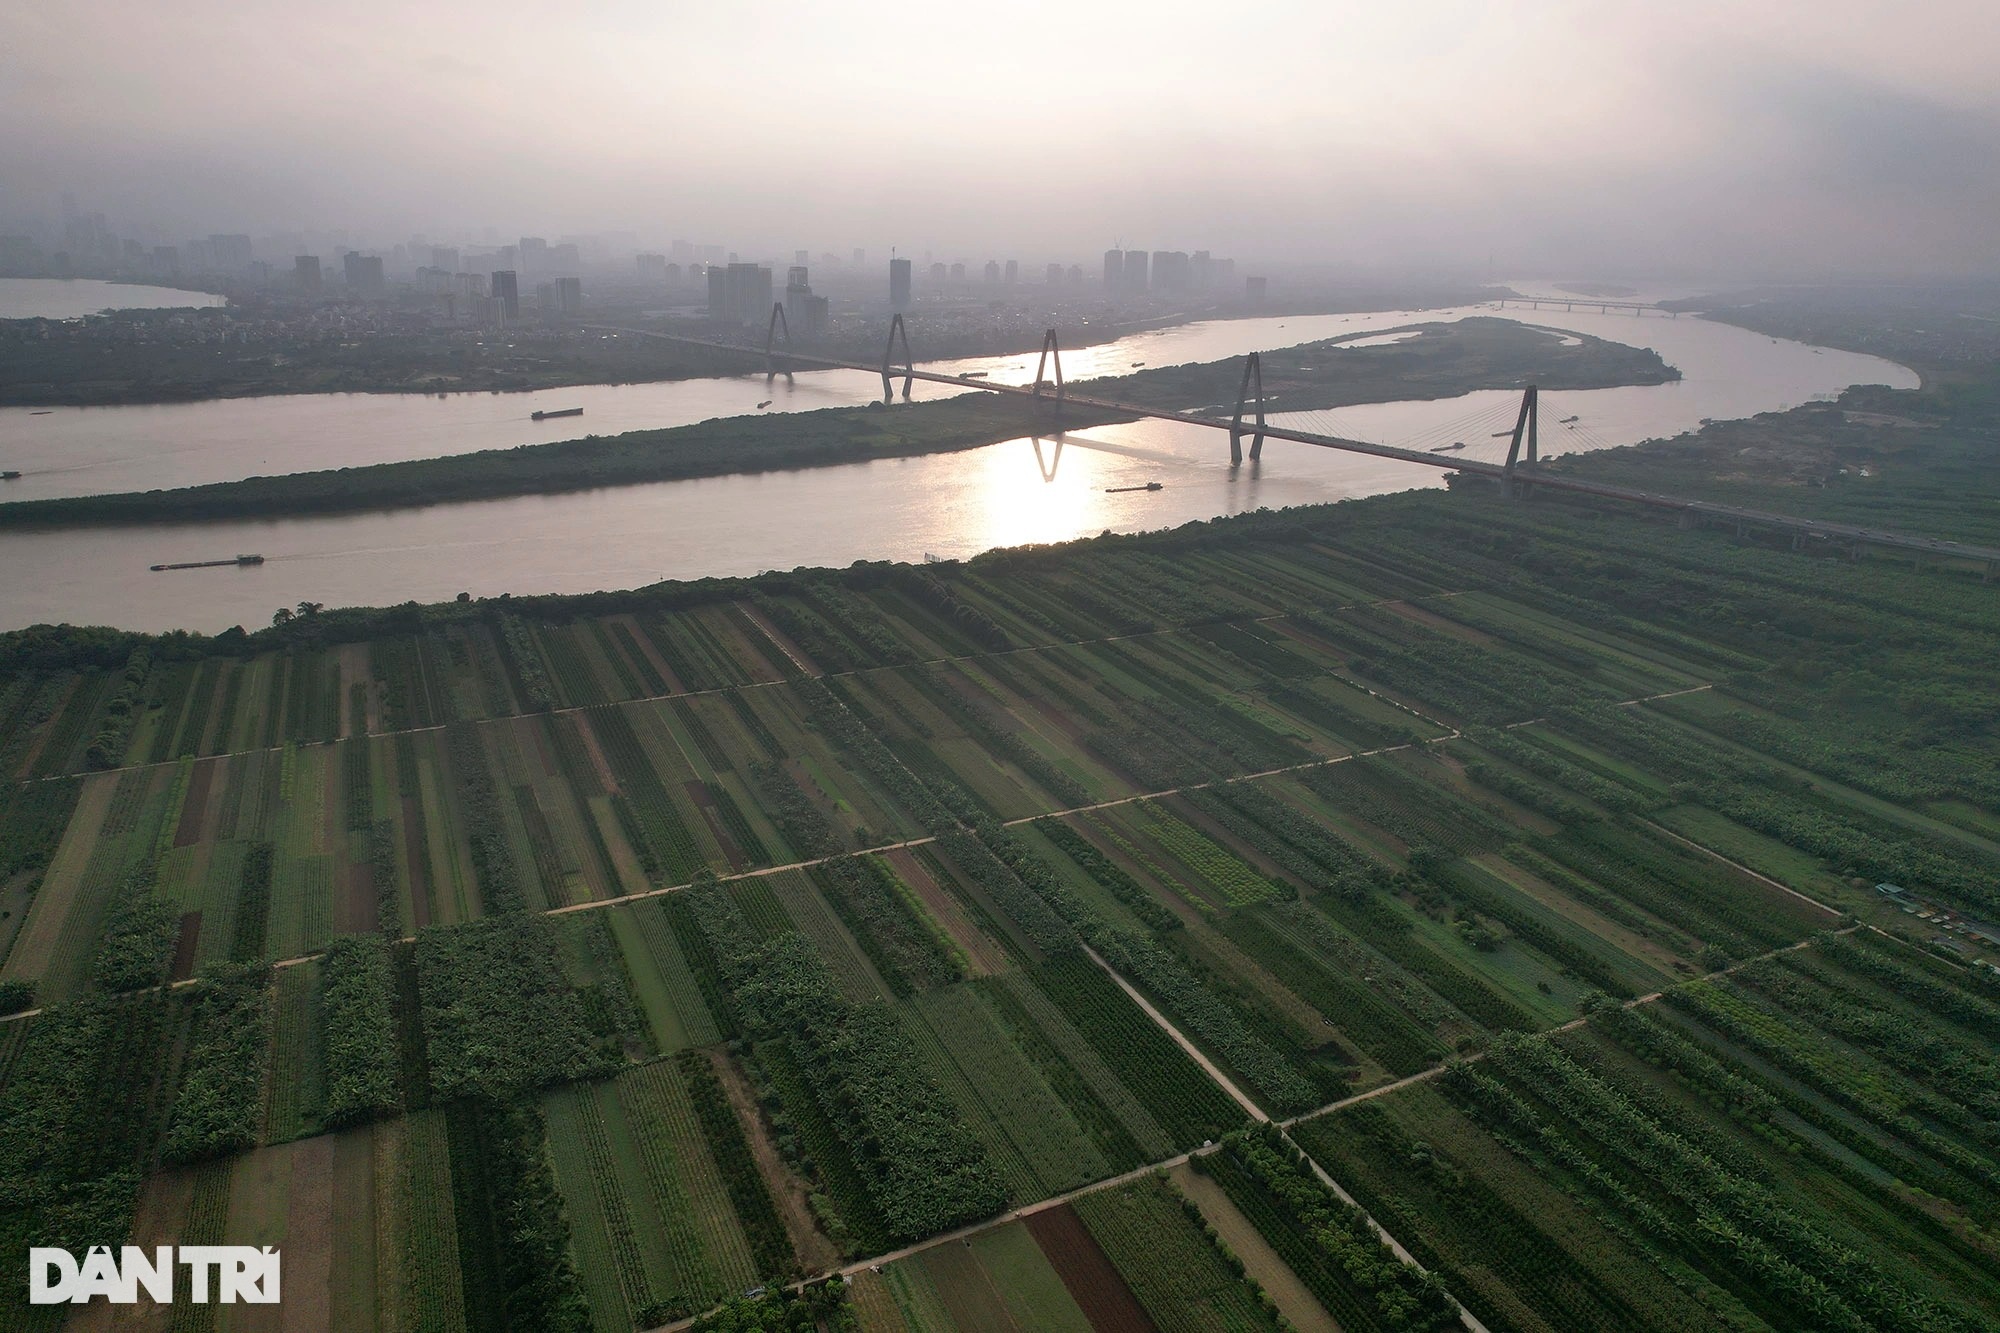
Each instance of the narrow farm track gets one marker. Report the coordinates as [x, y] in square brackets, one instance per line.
[1449, 734]
[1471, 1322]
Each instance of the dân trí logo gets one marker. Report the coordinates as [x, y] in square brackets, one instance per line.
[224, 1273]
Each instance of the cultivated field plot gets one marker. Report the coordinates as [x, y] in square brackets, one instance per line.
[605, 959]
[1804, 1107]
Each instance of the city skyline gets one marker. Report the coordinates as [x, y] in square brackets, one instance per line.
[1784, 138]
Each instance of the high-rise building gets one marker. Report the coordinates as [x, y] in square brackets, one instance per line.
[938, 272]
[1076, 275]
[652, 267]
[569, 296]
[1254, 290]
[231, 254]
[673, 275]
[305, 273]
[798, 297]
[534, 253]
[798, 258]
[1201, 270]
[445, 257]
[1135, 271]
[739, 293]
[683, 252]
[1054, 276]
[1170, 271]
[565, 258]
[1013, 271]
[1114, 270]
[166, 259]
[363, 274]
[992, 271]
[958, 274]
[507, 291]
[899, 284]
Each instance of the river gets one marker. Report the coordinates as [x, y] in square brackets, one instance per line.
[72, 298]
[948, 504]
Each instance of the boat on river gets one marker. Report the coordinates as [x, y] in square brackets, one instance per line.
[557, 412]
[1149, 486]
[213, 564]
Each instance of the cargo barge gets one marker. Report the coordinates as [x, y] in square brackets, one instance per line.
[214, 564]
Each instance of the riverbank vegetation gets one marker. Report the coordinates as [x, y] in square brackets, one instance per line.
[1439, 361]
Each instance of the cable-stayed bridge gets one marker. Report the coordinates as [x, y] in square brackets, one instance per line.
[1517, 474]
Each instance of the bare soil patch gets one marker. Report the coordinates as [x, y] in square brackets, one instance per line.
[1087, 1273]
[815, 1250]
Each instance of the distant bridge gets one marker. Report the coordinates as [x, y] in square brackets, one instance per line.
[1602, 306]
[1519, 476]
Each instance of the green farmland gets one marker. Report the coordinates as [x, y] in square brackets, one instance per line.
[584, 964]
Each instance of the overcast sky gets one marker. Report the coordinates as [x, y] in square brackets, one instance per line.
[1739, 139]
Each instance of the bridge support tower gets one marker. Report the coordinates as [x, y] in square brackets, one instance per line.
[1051, 351]
[896, 334]
[1526, 427]
[773, 366]
[1253, 375]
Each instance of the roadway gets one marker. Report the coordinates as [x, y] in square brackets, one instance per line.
[1703, 510]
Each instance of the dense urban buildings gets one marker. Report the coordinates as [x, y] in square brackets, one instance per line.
[739, 293]
[507, 291]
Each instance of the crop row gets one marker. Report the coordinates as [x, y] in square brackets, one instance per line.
[1178, 1272]
[924, 1170]
[1502, 1240]
[1691, 1200]
[1374, 1024]
[498, 1014]
[357, 1002]
[694, 1221]
[1187, 1104]
[1235, 880]
[908, 949]
[662, 831]
[217, 1109]
[1326, 1242]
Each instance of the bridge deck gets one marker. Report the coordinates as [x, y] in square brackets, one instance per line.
[1704, 509]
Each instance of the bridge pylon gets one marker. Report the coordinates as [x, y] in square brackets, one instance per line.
[1051, 351]
[778, 324]
[896, 334]
[1525, 426]
[1253, 373]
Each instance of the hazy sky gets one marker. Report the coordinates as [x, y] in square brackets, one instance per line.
[1716, 138]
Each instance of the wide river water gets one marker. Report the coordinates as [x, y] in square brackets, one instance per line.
[70, 298]
[947, 504]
